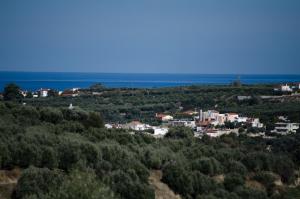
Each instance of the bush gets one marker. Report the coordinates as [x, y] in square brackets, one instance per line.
[208, 166]
[284, 166]
[247, 193]
[51, 115]
[12, 92]
[180, 133]
[236, 167]
[233, 181]
[69, 154]
[83, 185]
[128, 185]
[38, 182]
[94, 120]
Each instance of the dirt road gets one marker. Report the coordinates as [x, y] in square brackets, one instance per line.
[162, 191]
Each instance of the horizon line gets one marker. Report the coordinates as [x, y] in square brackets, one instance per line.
[150, 73]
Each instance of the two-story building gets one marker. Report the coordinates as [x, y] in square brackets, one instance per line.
[285, 128]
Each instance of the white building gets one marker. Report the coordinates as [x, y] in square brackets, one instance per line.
[167, 118]
[221, 119]
[231, 117]
[242, 119]
[186, 123]
[285, 88]
[285, 128]
[108, 126]
[160, 131]
[71, 106]
[44, 92]
[24, 93]
[218, 133]
[256, 123]
[212, 114]
[164, 117]
[208, 115]
[137, 126]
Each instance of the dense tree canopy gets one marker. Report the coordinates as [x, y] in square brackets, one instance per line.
[67, 153]
[12, 92]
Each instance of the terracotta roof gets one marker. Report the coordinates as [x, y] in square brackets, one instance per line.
[160, 115]
[232, 113]
[135, 122]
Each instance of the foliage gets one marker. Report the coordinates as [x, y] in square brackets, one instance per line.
[12, 92]
[179, 133]
[67, 153]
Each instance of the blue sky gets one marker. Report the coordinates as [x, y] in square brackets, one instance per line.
[153, 36]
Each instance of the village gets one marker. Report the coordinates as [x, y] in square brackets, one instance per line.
[210, 122]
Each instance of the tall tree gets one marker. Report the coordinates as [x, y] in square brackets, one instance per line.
[12, 92]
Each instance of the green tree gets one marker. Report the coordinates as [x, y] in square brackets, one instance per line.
[94, 120]
[180, 133]
[284, 166]
[233, 180]
[38, 182]
[51, 115]
[208, 166]
[49, 158]
[12, 92]
[69, 154]
[81, 185]
[236, 167]
[128, 185]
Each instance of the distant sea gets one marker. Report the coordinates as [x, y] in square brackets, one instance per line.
[60, 81]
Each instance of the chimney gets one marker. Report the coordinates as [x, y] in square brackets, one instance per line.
[200, 115]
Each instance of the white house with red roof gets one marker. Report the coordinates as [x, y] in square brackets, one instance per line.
[163, 117]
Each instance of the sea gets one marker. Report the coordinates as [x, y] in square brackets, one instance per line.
[63, 80]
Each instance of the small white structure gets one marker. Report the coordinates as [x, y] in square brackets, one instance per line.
[44, 92]
[231, 117]
[283, 118]
[213, 114]
[218, 133]
[137, 126]
[285, 88]
[242, 119]
[208, 115]
[285, 128]
[167, 118]
[71, 106]
[164, 117]
[199, 129]
[108, 126]
[221, 119]
[186, 123]
[255, 123]
[160, 131]
[24, 93]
